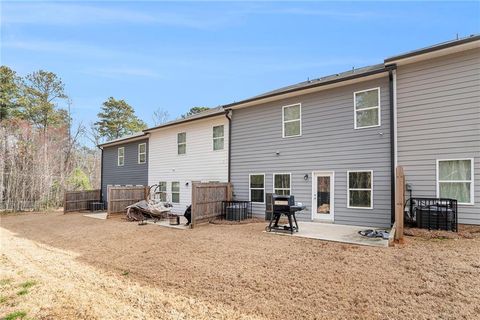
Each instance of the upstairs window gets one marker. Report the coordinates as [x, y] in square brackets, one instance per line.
[455, 180]
[218, 138]
[176, 192]
[121, 156]
[257, 188]
[182, 143]
[292, 120]
[142, 153]
[360, 189]
[281, 183]
[367, 108]
[162, 191]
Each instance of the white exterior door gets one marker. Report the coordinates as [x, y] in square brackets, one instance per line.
[322, 195]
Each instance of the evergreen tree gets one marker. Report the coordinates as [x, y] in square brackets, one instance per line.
[194, 110]
[9, 93]
[116, 119]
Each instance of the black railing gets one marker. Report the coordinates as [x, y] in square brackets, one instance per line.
[236, 210]
[433, 214]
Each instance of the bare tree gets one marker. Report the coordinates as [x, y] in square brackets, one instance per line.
[160, 116]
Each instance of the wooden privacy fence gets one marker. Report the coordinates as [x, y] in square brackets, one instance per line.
[120, 197]
[399, 203]
[207, 200]
[79, 200]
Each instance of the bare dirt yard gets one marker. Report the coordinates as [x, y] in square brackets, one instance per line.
[56, 266]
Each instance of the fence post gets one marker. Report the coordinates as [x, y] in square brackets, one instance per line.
[194, 202]
[399, 203]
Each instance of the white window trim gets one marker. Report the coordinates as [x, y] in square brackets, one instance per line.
[368, 108]
[299, 119]
[118, 157]
[166, 189]
[471, 181]
[217, 138]
[139, 153]
[250, 189]
[284, 173]
[172, 192]
[360, 189]
[182, 143]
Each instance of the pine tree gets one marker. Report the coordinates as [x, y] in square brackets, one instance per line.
[116, 119]
[9, 93]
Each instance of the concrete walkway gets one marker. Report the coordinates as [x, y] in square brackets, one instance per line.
[334, 232]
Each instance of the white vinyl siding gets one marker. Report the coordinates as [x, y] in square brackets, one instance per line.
[200, 163]
[142, 153]
[218, 137]
[455, 180]
[282, 183]
[292, 120]
[367, 108]
[162, 191]
[256, 185]
[360, 189]
[182, 143]
[175, 192]
[121, 156]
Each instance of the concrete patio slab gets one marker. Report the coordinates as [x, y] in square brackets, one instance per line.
[100, 215]
[166, 223]
[334, 232]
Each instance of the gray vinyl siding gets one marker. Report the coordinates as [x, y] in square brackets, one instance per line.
[329, 142]
[131, 173]
[438, 108]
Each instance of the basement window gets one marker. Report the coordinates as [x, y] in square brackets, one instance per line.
[360, 189]
[455, 180]
[182, 143]
[121, 156]
[176, 192]
[367, 108]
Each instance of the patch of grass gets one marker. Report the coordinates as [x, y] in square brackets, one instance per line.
[15, 315]
[22, 292]
[4, 282]
[28, 284]
[3, 299]
[125, 273]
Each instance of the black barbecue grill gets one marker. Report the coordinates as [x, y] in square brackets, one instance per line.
[284, 205]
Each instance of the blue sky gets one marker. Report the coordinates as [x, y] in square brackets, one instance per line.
[175, 55]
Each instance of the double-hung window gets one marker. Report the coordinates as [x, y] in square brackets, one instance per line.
[218, 138]
[367, 108]
[182, 142]
[455, 180]
[121, 156]
[292, 120]
[257, 188]
[360, 189]
[176, 192]
[142, 153]
[281, 183]
[162, 191]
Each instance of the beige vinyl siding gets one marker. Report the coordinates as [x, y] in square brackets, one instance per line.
[438, 117]
[328, 142]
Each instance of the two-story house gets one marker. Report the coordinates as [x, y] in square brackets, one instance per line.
[194, 149]
[124, 162]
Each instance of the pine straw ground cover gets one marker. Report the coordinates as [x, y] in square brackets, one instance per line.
[82, 268]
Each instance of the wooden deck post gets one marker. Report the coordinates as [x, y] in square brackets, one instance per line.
[399, 204]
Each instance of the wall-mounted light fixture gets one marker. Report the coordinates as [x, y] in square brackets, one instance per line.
[277, 152]
[186, 184]
[305, 177]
